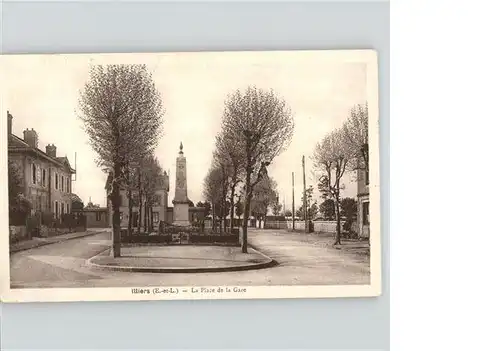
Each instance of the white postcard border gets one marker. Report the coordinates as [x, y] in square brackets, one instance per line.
[215, 292]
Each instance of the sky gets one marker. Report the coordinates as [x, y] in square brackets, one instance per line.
[41, 92]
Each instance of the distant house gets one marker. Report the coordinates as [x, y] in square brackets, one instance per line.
[46, 177]
[363, 177]
[96, 217]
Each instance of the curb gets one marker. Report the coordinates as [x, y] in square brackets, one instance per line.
[269, 263]
[45, 243]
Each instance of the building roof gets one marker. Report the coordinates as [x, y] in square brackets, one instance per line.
[18, 145]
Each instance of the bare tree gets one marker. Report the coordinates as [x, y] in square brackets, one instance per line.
[261, 124]
[264, 196]
[276, 208]
[229, 155]
[355, 133]
[331, 158]
[212, 189]
[122, 111]
[152, 176]
[131, 185]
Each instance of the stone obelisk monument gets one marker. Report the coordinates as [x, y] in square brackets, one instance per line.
[181, 201]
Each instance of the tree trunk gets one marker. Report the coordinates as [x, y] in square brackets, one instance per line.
[231, 220]
[151, 218]
[115, 203]
[139, 185]
[246, 213]
[337, 214]
[145, 217]
[129, 195]
[223, 227]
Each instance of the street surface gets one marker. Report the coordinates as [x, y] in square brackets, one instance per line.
[303, 260]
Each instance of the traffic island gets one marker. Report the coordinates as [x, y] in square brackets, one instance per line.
[181, 259]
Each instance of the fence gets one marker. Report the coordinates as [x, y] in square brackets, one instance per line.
[317, 226]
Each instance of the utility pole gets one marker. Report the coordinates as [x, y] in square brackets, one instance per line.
[293, 203]
[304, 202]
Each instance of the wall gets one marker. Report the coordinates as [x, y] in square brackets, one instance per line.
[62, 194]
[92, 221]
[276, 225]
[363, 229]
[363, 196]
[319, 226]
[18, 233]
[362, 187]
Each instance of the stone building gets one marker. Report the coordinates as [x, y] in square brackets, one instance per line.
[363, 182]
[46, 177]
[96, 217]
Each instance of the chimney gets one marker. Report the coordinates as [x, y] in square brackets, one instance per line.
[9, 123]
[31, 137]
[51, 150]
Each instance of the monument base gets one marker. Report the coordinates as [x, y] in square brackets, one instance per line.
[181, 214]
[182, 223]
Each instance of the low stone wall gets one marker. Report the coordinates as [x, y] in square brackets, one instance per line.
[276, 225]
[18, 233]
[319, 226]
[46, 232]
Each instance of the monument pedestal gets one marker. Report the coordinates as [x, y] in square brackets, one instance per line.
[181, 214]
[181, 201]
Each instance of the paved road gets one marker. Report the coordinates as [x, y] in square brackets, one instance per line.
[302, 260]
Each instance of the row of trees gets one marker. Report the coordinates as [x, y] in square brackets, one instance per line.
[122, 113]
[256, 127]
[343, 149]
[224, 191]
[142, 179]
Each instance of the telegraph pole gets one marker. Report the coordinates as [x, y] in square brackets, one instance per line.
[304, 202]
[293, 203]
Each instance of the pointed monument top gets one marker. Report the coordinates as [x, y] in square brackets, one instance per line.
[180, 148]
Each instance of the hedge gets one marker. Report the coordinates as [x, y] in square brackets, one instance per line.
[193, 239]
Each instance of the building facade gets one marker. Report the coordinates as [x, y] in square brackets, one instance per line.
[46, 177]
[363, 184]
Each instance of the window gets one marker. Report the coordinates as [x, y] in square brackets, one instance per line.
[367, 177]
[44, 177]
[62, 183]
[68, 185]
[33, 173]
[57, 181]
[156, 217]
[67, 208]
[366, 213]
[57, 209]
[38, 175]
[62, 208]
[98, 216]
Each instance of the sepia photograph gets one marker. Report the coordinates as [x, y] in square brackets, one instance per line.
[190, 175]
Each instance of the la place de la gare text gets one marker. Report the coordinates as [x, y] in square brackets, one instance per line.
[192, 290]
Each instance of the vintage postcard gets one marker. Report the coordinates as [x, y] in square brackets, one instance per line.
[197, 175]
